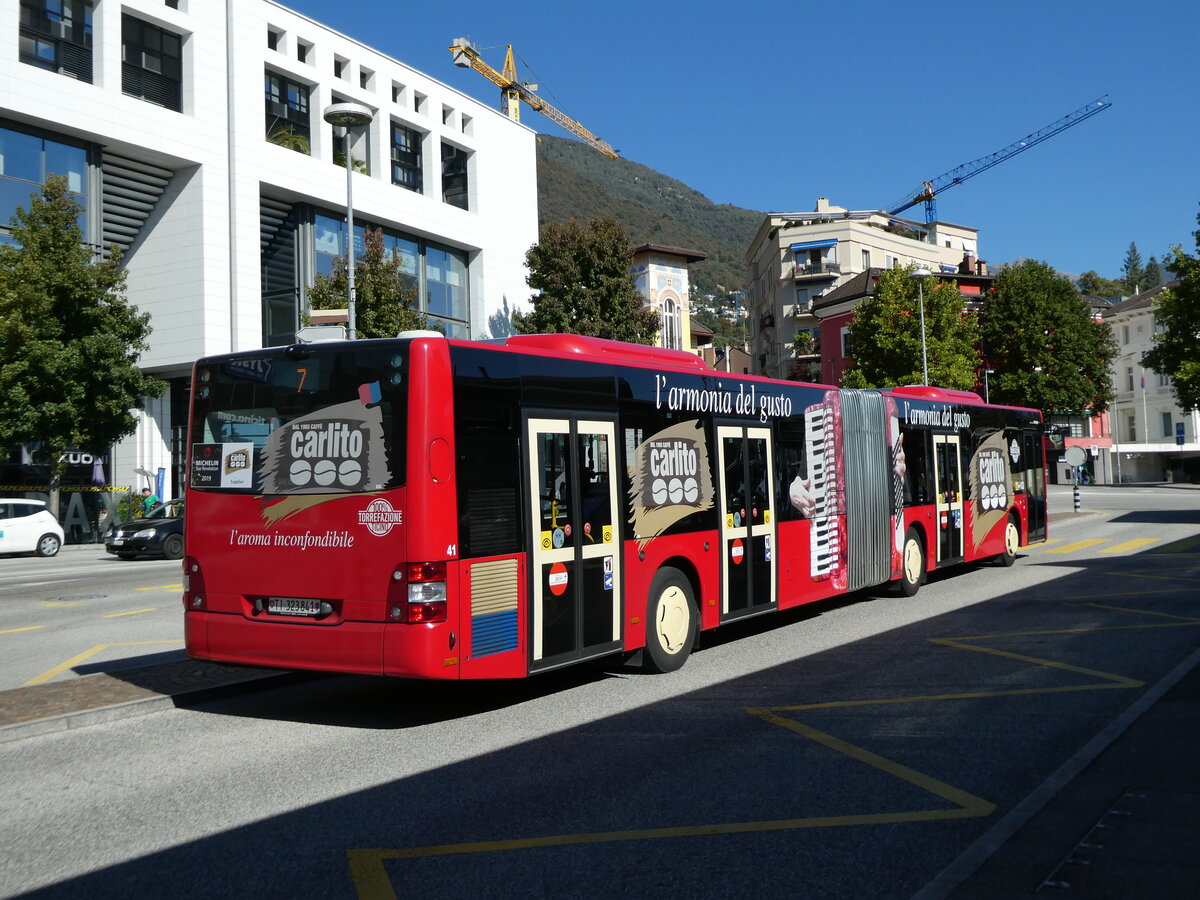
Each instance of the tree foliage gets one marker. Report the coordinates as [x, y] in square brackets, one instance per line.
[1047, 350]
[580, 275]
[1133, 272]
[385, 296]
[69, 340]
[1092, 284]
[1176, 350]
[886, 335]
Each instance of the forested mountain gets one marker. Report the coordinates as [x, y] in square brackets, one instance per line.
[574, 181]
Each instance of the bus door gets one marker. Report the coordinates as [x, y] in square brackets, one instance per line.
[576, 563]
[748, 566]
[947, 461]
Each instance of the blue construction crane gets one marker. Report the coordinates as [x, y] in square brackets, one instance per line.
[929, 190]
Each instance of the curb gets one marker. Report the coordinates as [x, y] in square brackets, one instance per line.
[200, 682]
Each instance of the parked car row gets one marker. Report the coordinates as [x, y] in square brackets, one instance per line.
[27, 526]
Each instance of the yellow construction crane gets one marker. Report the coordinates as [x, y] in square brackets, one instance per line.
[512, 91]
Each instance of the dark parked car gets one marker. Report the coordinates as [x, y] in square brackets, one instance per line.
[158, 533]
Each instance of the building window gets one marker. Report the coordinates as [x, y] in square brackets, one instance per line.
[1167, 425]
[274, 39]
[454, 175]
[1124, 334]
[406, 158]
[27, 160]
[670, 325]
[847, 344]
[1131, 427]
[803, 300]
[439, 274]
[56, 35]
[1129, 378]
[303, 50]
[287, 113]
[866, 259]
[151, 63]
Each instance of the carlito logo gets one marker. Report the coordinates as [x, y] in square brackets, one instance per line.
[337, 449]
[671, 479]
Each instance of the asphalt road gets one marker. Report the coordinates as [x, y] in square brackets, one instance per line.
[86, 611]
[853, 748]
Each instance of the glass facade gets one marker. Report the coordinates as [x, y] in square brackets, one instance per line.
[440, 274]
[26, 160]
[454, 175]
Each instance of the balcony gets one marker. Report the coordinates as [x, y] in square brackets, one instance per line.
[766, 321]
[817, 270]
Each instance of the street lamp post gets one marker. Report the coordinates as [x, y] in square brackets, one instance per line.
[920, 274]
[347, 116]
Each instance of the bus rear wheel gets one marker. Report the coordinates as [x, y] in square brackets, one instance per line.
[912, 564]
[671, 621]
[1012, 542]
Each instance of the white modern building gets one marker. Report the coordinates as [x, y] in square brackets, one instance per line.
[1145, 421]
[795, 258]
[193, 132]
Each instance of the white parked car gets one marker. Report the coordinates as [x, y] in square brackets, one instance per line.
[26, 526]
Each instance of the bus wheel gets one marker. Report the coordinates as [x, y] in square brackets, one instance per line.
[1012, 540]
[912, 564]
[671, 621]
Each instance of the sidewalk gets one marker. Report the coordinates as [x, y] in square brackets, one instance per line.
[1120, 819]
[106, 696]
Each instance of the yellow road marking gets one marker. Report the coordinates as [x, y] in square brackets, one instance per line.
[26, 628]
[1183, 545]
[373, 883]
[87, 654]
[1078, 545]
[1045, 543]
[57, 603]
[162, 587]
[131, 613]
[1129, 546]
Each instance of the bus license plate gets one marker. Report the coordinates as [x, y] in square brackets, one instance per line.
[293, 606]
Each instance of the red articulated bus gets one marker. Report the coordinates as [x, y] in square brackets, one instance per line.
[434, 508]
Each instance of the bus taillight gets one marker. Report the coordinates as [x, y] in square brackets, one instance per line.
[424, 600]
[193, 585]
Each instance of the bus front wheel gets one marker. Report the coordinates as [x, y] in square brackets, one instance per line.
[1012, 542]
[671, 621]
[912, 564]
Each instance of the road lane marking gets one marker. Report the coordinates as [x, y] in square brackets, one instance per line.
[1078, 545]
[60, 603]
[372, 881]
[163, 587]
[87, 654]
[130, 613]
[1041, 544]
[1184, 545]
[26, 628]
[1129, 546]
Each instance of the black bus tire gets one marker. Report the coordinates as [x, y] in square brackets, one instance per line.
[1012, 541]
[912, 563]
[671, 621]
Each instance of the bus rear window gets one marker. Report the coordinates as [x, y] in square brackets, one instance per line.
[327, 422]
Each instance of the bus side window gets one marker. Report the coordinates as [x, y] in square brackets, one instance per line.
[916, 459]
[791, 464]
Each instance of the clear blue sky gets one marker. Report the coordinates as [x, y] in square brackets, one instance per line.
[769, 105]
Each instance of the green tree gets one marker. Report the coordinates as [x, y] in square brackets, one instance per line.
[69, 340]
[1092, 284]
[1153, 274]
[885, 335]
[1041, 339]
[1133, 272]
[580, 276]
[385, 295]
[1176, 350]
